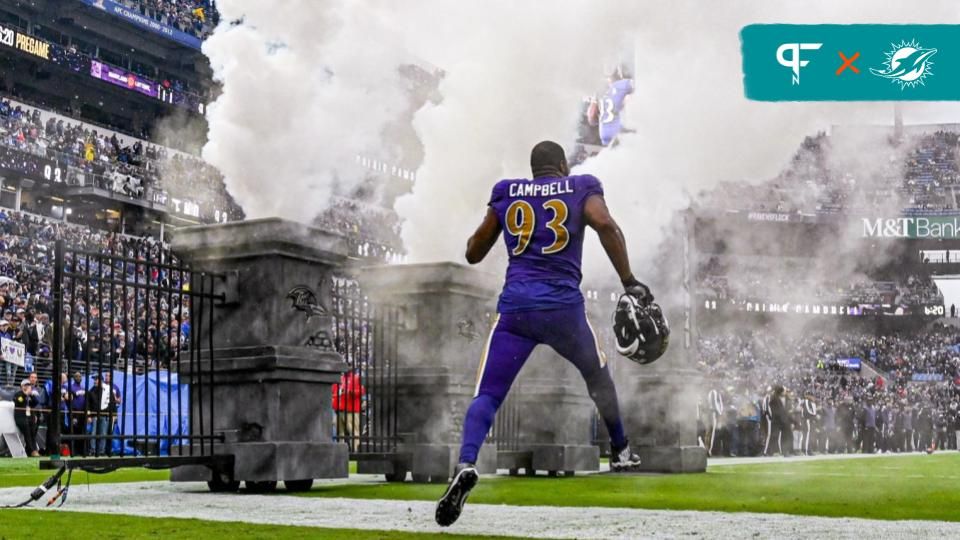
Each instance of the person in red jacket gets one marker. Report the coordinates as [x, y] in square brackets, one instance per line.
[348, 401]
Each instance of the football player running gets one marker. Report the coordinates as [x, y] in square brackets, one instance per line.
[543, 221]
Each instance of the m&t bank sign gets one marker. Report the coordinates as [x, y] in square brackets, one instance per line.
[912, 227]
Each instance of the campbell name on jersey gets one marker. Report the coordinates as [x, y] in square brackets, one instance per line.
[531, 189]
[543, 229]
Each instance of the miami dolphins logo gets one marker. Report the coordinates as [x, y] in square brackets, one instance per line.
[907, 64]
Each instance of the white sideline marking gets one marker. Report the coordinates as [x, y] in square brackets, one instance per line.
[726, 470]
[163, 499]
[727, 461]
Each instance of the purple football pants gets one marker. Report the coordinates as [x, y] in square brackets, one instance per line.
[511, 341]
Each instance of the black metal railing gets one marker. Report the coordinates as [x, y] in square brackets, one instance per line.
[365, 400]
[128, 323]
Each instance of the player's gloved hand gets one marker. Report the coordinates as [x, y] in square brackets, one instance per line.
[637, 290]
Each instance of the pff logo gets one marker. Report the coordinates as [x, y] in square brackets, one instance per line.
[794, 62]
[907, 64]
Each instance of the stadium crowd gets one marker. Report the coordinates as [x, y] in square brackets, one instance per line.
[804, 392]
[105, 327]
[79, 60]
[784, 279]
[915, 290]
[197, 17]
[372, 232]
[136, 170]
[808, 392]
[914, 174]
[142, 170]
[93, 318]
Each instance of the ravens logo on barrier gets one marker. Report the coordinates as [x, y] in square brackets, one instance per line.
[305, 300]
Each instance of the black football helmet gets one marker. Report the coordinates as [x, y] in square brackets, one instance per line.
[641, 329]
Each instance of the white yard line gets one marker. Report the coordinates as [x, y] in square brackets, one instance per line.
[728, 461]
[161, 499]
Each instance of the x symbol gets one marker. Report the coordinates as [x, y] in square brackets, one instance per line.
[848, 62]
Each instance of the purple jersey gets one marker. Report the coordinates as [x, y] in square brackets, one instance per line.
[543, 228]
[611, 104]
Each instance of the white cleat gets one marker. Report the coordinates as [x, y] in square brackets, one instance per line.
[624, 460]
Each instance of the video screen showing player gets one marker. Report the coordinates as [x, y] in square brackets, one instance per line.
[601, 115]
[610, 105]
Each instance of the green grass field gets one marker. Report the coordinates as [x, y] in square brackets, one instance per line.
[16, 524]
[898, 487]
[26, 472]
[28, 524]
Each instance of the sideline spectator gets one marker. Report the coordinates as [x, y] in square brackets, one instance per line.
[76, 393]
[102, 400]
[348, 402]
[43, 407]
[5, 332]
[24, 415]
[888, 413]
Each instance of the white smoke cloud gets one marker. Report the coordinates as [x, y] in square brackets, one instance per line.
[508, 88]
[285, 130]
[307, 86]
[515, 72]
[694, 125]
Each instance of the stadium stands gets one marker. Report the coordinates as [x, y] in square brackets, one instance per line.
[26, 257]
[89, 62]
[921, 170]
[132, 166]
[913, 174]
[785, 279]
[745, 365]
[121, 164]
[106, 324]
[373, 232]
[111, 327]
[197, 17]
[904, 376]
[899, 355]
[93, 110]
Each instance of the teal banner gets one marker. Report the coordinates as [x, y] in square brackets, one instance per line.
[859, 62]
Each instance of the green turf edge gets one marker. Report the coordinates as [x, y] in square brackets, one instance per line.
[26, 472]
[24, 475]
[32, 524]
